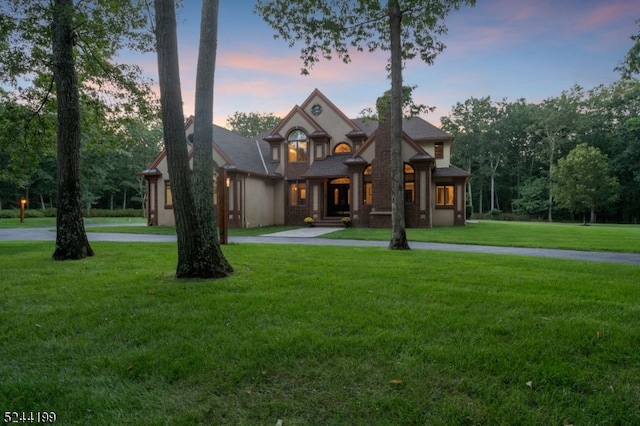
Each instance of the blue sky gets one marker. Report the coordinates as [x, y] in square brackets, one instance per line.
[512, 49]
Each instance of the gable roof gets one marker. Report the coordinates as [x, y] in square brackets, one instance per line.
[415, 127]
[317, 94]
[241, 153]
[313, 126]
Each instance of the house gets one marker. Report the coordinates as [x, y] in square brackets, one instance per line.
[319, 163]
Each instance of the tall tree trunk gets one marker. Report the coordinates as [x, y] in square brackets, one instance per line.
[212, 260]
[71, 238]
[190, 238]
[552, 148]
[398, 233]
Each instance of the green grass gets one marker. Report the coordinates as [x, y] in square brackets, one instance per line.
[571, 236]
[318, 335]
[43, 222]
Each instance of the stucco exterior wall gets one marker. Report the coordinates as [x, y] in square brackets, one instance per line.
[443, 217]
[259, 203]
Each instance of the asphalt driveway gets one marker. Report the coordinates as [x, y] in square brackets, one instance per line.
[312, 236]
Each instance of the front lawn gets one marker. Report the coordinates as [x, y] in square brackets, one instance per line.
[318, 335]
[570, 236]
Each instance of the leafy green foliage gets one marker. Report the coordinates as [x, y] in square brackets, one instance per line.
[331, 27]
[630, 65]
[531, 138]
[103, 29]
[582, 181]
[250, 124]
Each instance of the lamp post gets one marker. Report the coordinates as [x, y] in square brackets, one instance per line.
[23, 202]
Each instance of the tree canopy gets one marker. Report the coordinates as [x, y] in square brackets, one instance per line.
[630, 65]
[250, 124]
[535, 136]
[582, 182]
[63, 52]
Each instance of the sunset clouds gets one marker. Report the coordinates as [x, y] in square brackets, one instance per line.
[500, 48]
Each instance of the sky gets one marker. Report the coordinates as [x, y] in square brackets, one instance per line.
[531, 49]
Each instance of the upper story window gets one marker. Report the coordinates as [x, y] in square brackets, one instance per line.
[342, 148]
[439, 149]
[298, 146]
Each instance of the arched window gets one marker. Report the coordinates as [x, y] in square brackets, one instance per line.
[409, 184]
[298, 145]
[367, 178]
[342, 148]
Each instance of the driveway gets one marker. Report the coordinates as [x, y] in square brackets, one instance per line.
[312, 236]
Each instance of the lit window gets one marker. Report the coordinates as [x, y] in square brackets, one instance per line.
[444, 195]
[409, 184]
[298, 194]
[297, 146]
[168, 196]
[439, 149]
[342, 148]
[368, 185]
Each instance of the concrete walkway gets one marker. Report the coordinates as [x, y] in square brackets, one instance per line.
[309, 236]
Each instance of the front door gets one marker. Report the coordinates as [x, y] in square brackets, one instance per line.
[338, 197]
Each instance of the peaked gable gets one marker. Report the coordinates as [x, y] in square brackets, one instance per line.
[297, 113]
[318, 98]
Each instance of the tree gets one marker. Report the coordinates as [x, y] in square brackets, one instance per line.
[631, 62]
[71, 238]
[210, 261]
[405, 28]
[557, 124]
[199, 254]
[68, 47]
[474, 125]
[250, 124]
[581, 181]
[612, 113]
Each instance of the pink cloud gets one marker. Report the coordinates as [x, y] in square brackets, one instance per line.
[607, 14]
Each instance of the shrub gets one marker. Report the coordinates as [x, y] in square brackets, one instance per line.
[469, 211]
[9, 214]
[32, 213]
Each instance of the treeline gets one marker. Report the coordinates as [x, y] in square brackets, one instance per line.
[512, 148]
[113, 154]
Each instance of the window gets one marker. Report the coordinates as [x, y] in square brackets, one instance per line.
[168, 196]
[439, 149]
[297, 146]
[409, 184]
[444, 195]
[368, 185]
[342, 148]
[275, 153]
[298, 194]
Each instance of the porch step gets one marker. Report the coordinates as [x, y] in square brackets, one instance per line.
[329, 222]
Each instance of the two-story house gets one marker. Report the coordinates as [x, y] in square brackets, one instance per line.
[318, 163]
